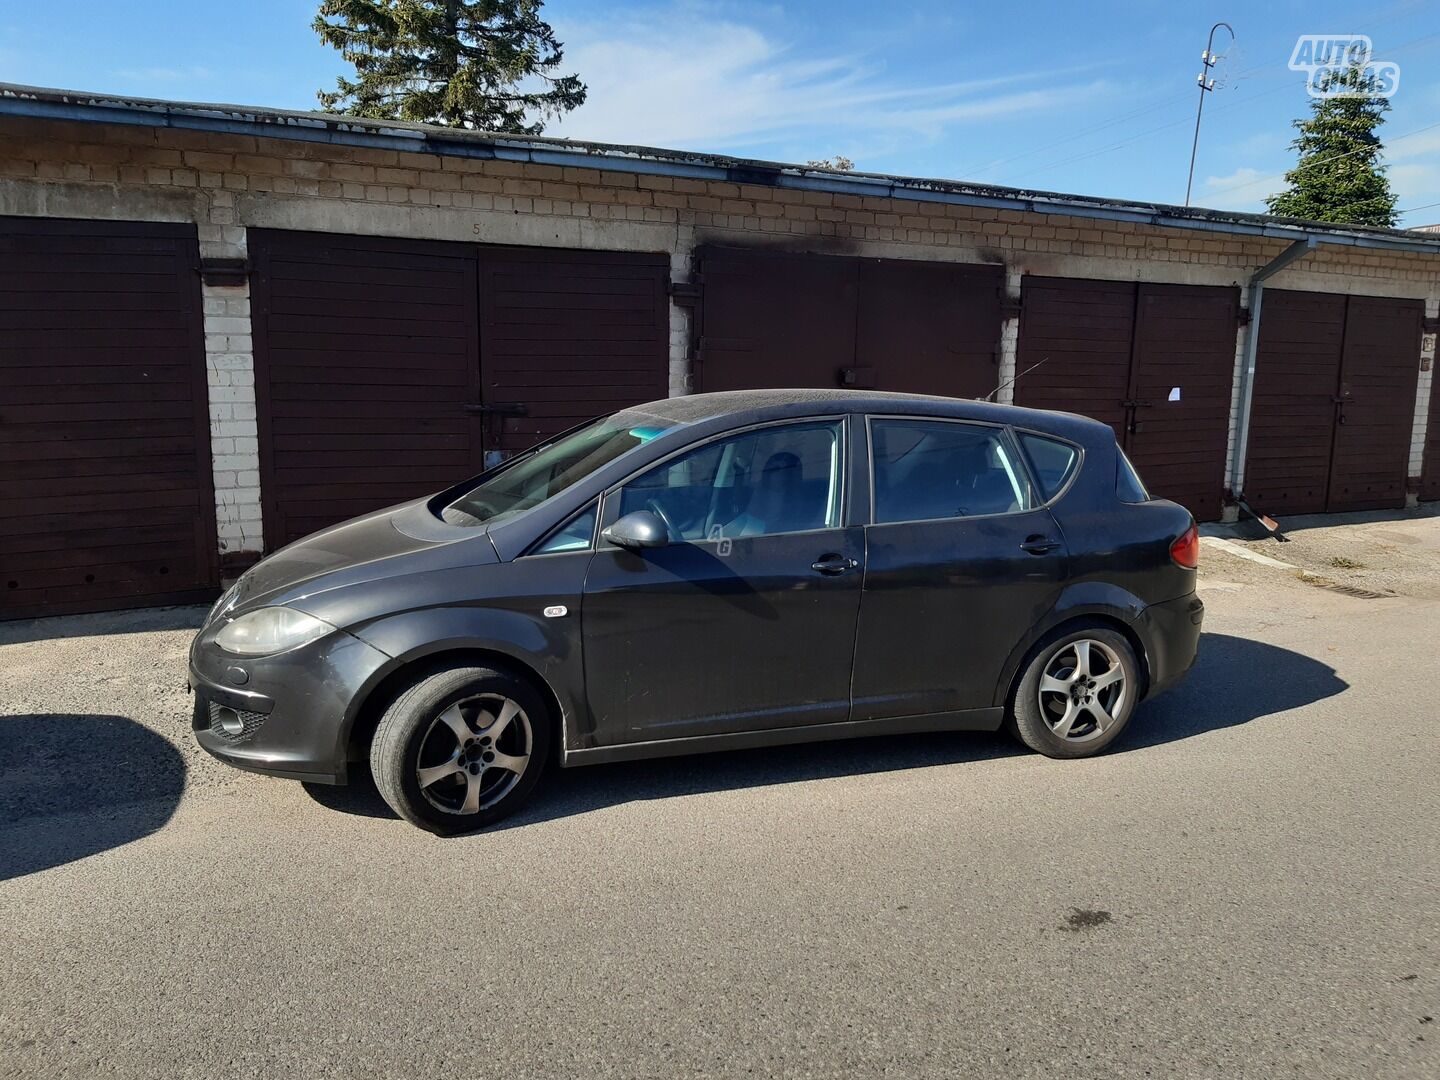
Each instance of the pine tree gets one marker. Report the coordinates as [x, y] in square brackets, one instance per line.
[1339, 177]
[490, 65]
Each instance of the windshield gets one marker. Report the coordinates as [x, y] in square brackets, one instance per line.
[545, 473]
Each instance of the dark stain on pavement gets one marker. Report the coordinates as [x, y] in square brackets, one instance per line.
[1084, 919]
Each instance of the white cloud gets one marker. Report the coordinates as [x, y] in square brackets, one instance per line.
[679, 77]
[1243, 189]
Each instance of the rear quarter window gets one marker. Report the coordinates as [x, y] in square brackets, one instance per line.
[1051, 460]
[1128, 485]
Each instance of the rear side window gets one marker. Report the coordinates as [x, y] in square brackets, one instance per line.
[1128, 486]
[928, 469]
[1052, 461]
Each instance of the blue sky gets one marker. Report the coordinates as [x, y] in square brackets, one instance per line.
[1096, 98]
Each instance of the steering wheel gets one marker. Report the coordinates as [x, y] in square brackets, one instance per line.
[659, 511]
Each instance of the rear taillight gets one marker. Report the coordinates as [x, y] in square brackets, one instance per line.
[1186, 548]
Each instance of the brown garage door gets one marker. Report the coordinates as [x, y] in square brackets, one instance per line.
[1378, 373]
[1155, 362]
[1334, 402]
[567, 335]
[366, 357]
[105, 489]
[929, 328]
[779, 319]
[1074, 350]
[774, 320]
[1182, 375]
[370, 352]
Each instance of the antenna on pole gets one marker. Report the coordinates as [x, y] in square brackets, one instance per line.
[1209, 59]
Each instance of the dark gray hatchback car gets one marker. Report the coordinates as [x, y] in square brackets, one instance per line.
[705, 573]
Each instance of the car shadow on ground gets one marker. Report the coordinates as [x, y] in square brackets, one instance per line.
[1234, 681]
[79, 784]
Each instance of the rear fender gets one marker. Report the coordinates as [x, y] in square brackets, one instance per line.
[1084, 598]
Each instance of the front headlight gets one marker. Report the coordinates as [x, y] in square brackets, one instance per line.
[269, 630]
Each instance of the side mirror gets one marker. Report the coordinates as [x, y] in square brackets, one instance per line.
[642, 529]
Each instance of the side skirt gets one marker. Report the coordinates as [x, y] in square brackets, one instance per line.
[968, 720]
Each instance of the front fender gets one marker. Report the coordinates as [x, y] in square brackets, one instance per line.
[1075, 601]
[494, 608]
[548, 647]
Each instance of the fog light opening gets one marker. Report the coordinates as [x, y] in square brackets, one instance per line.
[229, 721]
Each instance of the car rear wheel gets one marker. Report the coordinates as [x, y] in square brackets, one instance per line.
[461, 748]
[1077, 693]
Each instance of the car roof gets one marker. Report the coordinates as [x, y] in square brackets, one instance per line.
[750, 406]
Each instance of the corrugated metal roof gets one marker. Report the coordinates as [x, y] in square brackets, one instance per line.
[89, 107]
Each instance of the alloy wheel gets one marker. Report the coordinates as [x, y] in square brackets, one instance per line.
[473, 754]
[1082, 690]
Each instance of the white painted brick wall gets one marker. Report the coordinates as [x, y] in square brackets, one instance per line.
[1241, 334]
[1009, 341]
[1422, 392]
[681, 267]
[234, 437]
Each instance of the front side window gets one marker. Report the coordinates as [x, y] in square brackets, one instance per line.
[771, 480]
[928, 469]
[530, 480]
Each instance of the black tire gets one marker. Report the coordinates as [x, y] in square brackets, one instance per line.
[413, 725]
[1034, 718]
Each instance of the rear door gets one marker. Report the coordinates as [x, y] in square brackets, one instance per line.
[745, 621]
[961, 561]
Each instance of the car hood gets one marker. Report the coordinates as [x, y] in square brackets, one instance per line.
[361, 549]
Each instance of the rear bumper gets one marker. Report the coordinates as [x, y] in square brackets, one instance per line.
[1171, 634]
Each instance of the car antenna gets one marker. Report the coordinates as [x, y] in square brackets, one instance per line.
[1014, 378]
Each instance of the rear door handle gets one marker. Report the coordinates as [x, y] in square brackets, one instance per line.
[833, 564]
[1039, 545]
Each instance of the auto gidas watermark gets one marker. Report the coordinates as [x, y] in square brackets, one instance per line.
[1327, 60]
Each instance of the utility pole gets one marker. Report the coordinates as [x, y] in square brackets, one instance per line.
[1209, 59]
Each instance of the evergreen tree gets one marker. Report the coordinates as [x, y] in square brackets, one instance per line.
[491, 65]
[1339, 177]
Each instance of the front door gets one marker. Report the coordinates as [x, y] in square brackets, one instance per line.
[746, 619]
[961, 562]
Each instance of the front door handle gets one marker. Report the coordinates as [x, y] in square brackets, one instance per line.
[833, 564]
[1039, 545]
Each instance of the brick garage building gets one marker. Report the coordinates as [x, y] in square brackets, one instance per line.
[224, 327]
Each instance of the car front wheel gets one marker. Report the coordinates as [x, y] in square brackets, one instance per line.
[1078, 692]
[461, 748]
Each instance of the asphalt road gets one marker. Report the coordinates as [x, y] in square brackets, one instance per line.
[1247, 886]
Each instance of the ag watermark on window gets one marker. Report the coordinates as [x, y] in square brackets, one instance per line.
[1328, 59]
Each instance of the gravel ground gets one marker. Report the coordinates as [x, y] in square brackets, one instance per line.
[1393, 552]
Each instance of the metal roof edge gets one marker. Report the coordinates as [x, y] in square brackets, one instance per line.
[339, 130]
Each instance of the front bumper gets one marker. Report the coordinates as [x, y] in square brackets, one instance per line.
[290, 716]
[1171, 633]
